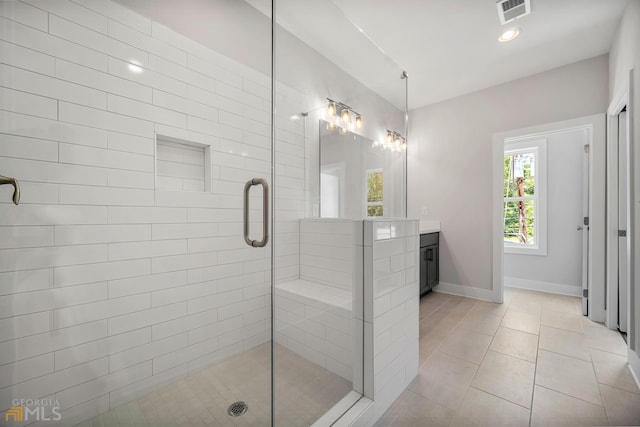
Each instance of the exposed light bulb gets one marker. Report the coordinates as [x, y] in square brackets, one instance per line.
[359, 122]
[346, 116]
[331, 109]
[389, 137]
[331, 126]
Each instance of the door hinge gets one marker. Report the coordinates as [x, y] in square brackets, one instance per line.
[622, 233]
[585, 293]
[585, 220]
[586, 148]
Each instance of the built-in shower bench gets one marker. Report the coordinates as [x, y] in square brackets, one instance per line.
[316, 321]
[317, 294]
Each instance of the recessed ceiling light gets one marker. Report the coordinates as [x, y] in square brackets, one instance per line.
[509, 35]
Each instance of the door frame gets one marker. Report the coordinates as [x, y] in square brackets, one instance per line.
[596, 131]
[615, 108]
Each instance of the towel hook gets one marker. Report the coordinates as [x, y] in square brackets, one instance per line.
[16, 187]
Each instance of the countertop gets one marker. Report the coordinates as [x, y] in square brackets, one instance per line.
[429, 226]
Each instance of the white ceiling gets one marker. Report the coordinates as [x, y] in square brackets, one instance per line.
[448, 47]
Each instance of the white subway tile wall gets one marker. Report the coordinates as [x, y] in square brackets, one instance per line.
[391, 309]
[319, 316]
[327, 251]
[316, 321]
[365, 271]
[111, 287]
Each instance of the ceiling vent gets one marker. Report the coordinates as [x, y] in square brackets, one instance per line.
[508, 10]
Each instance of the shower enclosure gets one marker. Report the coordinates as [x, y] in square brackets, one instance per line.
[156, 268]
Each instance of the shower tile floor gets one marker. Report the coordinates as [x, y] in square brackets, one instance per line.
[532, 361]
[304, 391]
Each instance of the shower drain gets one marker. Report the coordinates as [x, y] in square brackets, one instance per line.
[238, 408]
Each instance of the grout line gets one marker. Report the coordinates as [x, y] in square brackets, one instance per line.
[445, 304]
[618, 388]
[519, 330]
[561, 329]
[595, 376]
[568, 395]
[565, 355]
[535, 374]
[608, 352]
[502, 398]
[479, 367]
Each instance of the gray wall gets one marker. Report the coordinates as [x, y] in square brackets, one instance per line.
[563, 263]
[449, 168]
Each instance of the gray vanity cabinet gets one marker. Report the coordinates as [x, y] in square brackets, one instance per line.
[429, 266]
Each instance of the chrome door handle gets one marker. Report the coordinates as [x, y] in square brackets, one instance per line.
[16, 187]
[265, 214]
[579, 228]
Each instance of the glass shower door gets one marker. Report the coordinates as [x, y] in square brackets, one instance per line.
[331, 80]
[128, 293]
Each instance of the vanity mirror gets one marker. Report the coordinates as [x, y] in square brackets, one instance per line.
[359, 177]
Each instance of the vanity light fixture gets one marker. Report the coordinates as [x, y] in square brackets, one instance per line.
[509, 35]
[394, 142]
[389, 136]
[345, 116]
[333, 107]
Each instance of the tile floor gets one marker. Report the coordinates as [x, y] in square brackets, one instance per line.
[304, 391]
[532, 361]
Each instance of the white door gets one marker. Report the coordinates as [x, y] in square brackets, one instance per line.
[585, 230]
[622, 222]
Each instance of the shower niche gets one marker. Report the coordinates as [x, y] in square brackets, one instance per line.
[182, 165]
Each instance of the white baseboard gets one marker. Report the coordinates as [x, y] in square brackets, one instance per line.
[634, 365]
[537, 285]
[466, 291]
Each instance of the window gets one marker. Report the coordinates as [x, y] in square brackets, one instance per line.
[375, 192]
[524, 191]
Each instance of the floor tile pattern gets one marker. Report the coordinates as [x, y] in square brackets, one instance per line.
[532, 361]
[304, 391]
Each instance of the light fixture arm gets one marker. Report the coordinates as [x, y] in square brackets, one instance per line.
[344, 106]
